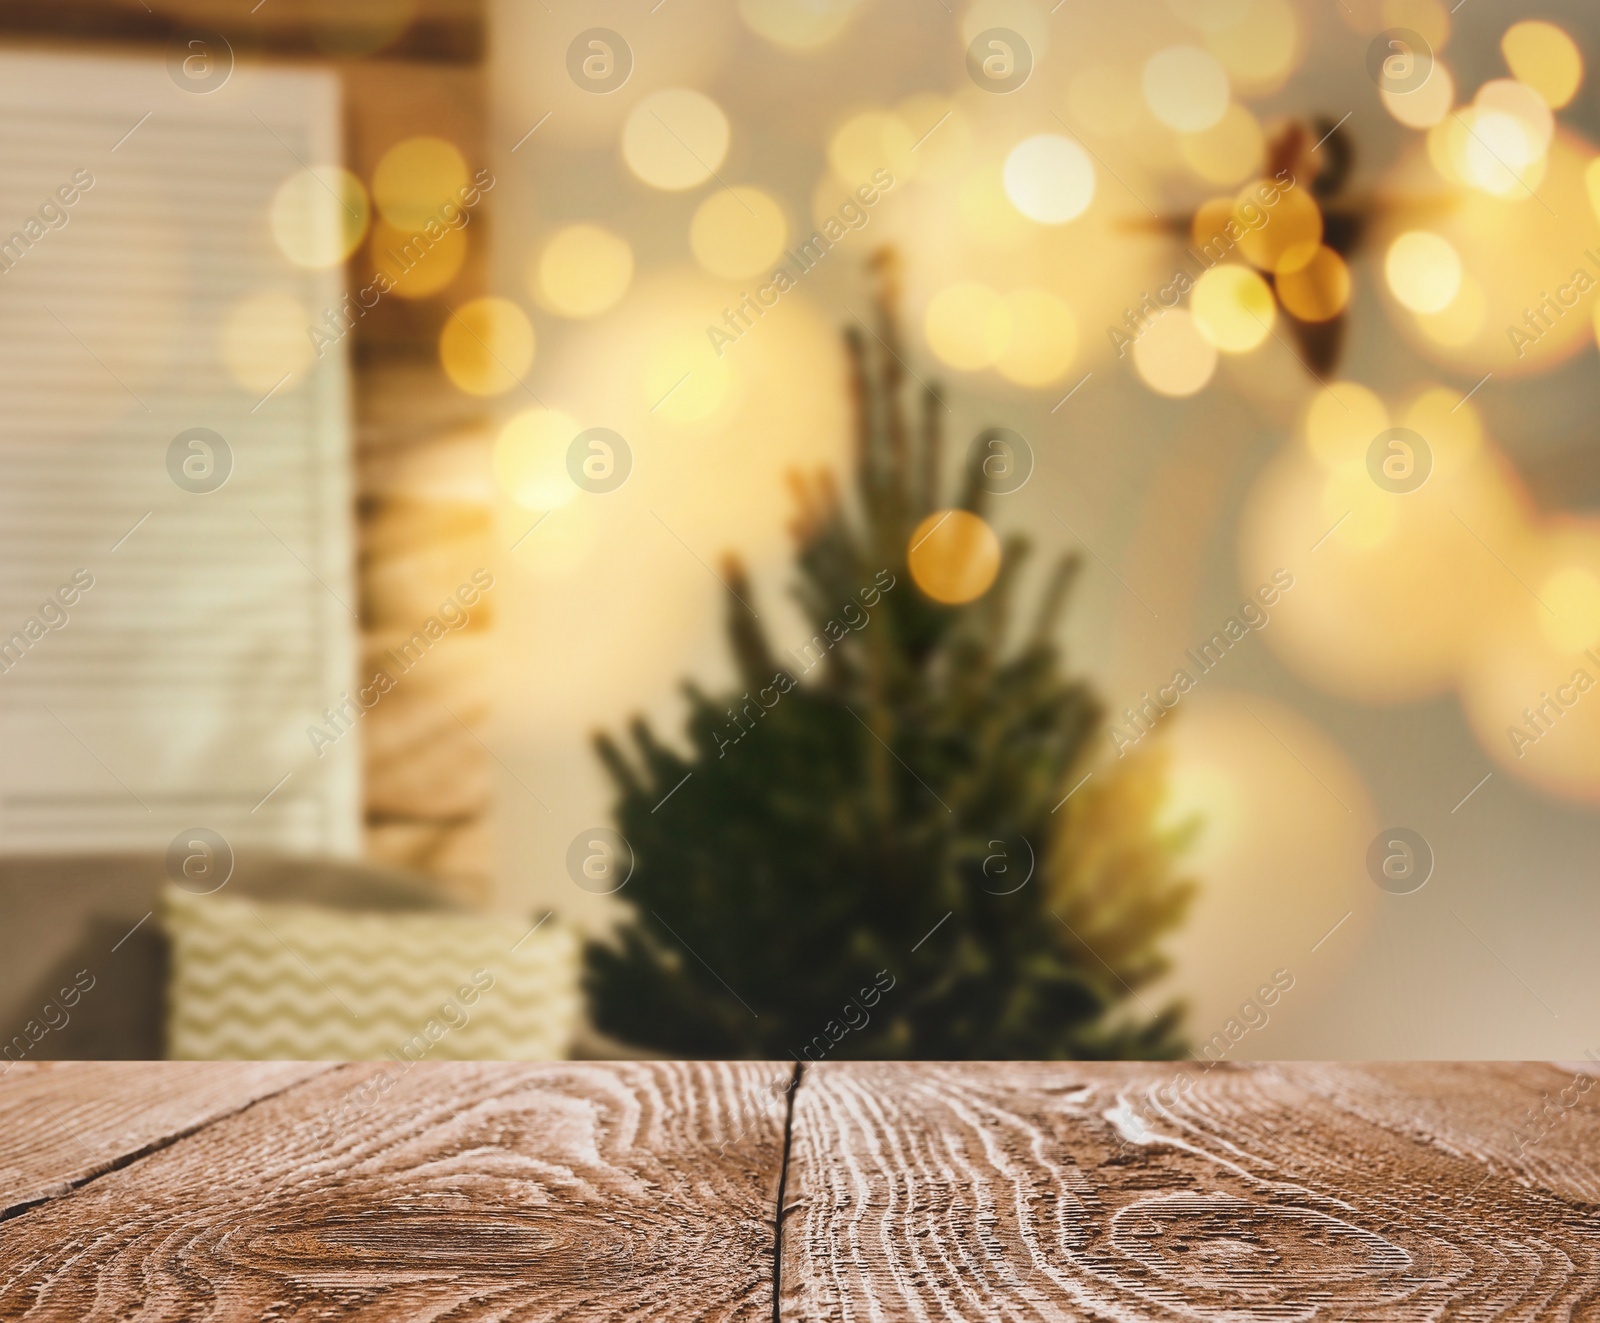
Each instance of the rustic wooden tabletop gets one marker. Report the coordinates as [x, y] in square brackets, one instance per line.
[907, 1191]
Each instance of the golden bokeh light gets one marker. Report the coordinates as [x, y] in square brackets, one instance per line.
[1529, 689]
[416, 179]
[582, 271]
[1545, 58]
[1233, 307]
[684, 379]
[419, 266]
[1261, 50]
[870, 141]
[675, 139]
[987, 215]
[1319, 290]
[1266, 790]
[1291, 234]
[319, 215]
[264, 343]
[1210, 222]
[1024, 17]
[1232, 149]
[1172, 357]
[1365, 513]
[1105, 101]
[1572, 622]
[1429, 19]
[954, 556]
[1425, 106]
[1490, 150]
[1519, 102]
[1459, 321]
[738, 232]
[1186, 88]
[1042, 340]
[1393, 602]
[1049, 179]
[486, 346]
[1423, 271]
[941, 135]
[1211, 15]
[968, 325]
[1341, 421]
[530, 459]
[566, 539]
[1526, 292]
[798, 27]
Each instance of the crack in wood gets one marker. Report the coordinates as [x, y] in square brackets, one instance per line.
[783, 1180]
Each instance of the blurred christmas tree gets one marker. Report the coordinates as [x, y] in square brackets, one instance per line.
[866, 852]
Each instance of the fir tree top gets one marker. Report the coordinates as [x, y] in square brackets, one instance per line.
[867, 853]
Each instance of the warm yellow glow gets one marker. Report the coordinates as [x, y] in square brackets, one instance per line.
[675, 139]
[1211, 15]
[1292, 235]
[1319, 290]
[1341, 422]
[319, 215]
[1453, 429]
[1233, 307]
[1042, 341]
[1545, 58]
[1049, 179]
[1261, 50]
[530, 459]
[1429, 19]
[1573, 621]
[968, 325]
[486, 346]
[1518, 101]
[415, 179]
[799, 27]
[941, 135]
[1369, 513]
[1211, 218]
[684, 380]
[264, 341]
[1186, 88]
[1458, 322]
[1172, 357]
[1232, 149]
[986, 212]
[1529, 691]
[1527, 294]
[1264, 784]
[868, 142]
[1489, 150]
[954, 556]
[1423, 271]
[419, 266]
[566, 539]
[1105, 101]
[582, 271]
[738, 232]
[1425, 106]
[1024, 17]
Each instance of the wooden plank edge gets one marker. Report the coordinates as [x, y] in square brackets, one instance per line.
[67, 1187]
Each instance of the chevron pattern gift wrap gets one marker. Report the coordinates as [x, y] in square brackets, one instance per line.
[253, 980]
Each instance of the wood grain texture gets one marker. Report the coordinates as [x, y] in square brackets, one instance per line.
[66, 1122]
[464, 1191]
[1266, 1192]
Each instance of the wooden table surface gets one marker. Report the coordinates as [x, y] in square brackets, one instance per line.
[468, 1191]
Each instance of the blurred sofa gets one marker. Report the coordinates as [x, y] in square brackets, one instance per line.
[82, 954]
